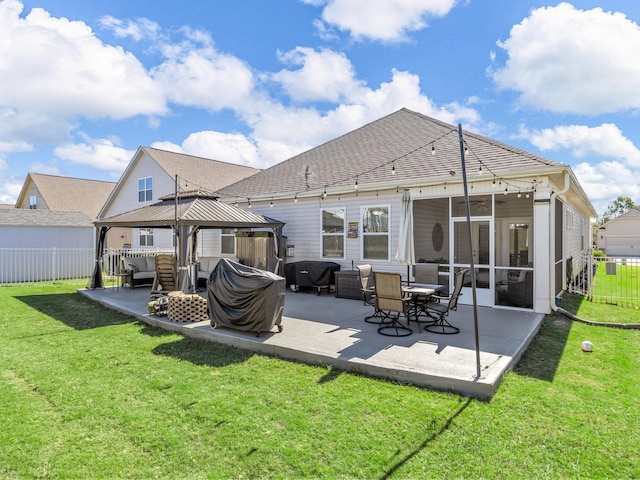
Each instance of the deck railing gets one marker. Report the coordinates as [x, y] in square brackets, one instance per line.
[614, 280]
[22, 265]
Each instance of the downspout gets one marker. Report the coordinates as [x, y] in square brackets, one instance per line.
[552, 224]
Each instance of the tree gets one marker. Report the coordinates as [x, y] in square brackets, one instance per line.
[619, 206]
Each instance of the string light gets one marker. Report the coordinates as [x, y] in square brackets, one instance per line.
[271, 204]
[519, 194]
[480, 170]
[393, 169]
[433, 149]
[295, 198]
[324, 194]
[493, 184]
[248, 203]
[356, 185]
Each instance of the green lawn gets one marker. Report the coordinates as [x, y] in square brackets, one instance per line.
[89, 393]
[622, 288]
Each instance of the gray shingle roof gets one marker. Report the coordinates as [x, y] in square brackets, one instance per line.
[66, 194]
[403, 139]
[23, 217]
[200, 172]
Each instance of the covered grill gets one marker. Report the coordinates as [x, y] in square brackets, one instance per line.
[245, 298]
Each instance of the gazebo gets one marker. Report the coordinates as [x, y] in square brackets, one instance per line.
[187, 213]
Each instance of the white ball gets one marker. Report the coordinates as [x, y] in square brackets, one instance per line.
[587, 346]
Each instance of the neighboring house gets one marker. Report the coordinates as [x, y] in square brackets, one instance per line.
[55, 199]
[153, 174]
[64, 194]
[341, 202]
[620, 237]
[28, 239]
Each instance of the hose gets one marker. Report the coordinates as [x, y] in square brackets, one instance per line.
[628, 326]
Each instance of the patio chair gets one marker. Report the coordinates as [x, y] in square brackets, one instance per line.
[426, 273]
[391, 303]
[440, 311]
[165, 280]
[365, 275]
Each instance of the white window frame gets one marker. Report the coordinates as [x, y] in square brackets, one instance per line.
[231, 233]
[333, 234]
[147, 234]
[33, 202]
[364, 234]
[147, 192]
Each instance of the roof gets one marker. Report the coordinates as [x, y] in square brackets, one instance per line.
[23, 217]
[402, 141]
[200, 209]
[67, 194]
[631, 214]
[197, 172]
[7, 205]
[202, 172]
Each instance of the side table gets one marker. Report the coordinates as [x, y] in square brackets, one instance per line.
[348, 284]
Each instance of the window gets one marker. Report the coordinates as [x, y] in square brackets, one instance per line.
[146, 237]
[33, 202]
[228, 241]
[375, 233]
[145, 189]
[333, 233]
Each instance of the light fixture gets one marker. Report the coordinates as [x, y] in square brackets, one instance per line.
[324, 194]
[271, 204]
[466, 149]
[236, 204]
[393, 169]
[527, 195]
[433, 149]
[295, 198]
[356, 185]
[480, 169]
[248, 203]
[493, 184]
[506, 190]
[519, 194]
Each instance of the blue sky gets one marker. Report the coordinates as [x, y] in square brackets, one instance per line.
[84, 83]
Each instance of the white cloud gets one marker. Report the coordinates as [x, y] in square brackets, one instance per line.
[195, 74]
[606, 181]
[604, 141]
[55, 69]
[101, 154]
[567, 60]
[614, 161]
[384, 20]
[325, 75]
[139, 29]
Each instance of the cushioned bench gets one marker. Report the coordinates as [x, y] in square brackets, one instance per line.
[142, 270]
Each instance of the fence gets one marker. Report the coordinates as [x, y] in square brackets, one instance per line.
[606, 279]
[111, 257]
[20, 265]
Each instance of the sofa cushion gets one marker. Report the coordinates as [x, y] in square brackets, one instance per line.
[141, 275]
[151, 264]
[137, 264]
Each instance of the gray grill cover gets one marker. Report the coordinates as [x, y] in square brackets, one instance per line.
[244, 298]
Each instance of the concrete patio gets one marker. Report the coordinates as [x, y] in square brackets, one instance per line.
[325, 330]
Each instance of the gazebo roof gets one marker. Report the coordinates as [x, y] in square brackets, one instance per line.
[198, 208]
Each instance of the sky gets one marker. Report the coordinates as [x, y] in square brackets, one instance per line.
[84, 83]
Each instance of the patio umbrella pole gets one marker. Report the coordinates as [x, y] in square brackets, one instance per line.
[471, 263]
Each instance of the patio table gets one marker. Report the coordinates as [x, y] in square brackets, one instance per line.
[420, 295]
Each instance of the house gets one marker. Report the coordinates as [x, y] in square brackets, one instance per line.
[620, 237]
[341, 202]
[153, 174]
[53, 212]
[44, 244]
[64, 194]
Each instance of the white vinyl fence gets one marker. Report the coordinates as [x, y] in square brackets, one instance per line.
[20, 265]
[111, 257]
[606, 279]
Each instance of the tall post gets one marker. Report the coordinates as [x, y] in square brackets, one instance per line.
[472, 267]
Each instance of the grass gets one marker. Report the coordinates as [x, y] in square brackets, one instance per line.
[623, 288]
[90, 393]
